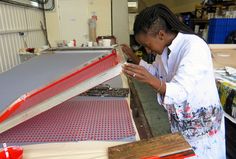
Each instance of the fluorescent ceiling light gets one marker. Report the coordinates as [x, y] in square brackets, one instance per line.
[35, 4]
[133, 4]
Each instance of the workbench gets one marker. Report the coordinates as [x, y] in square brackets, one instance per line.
[37, 131]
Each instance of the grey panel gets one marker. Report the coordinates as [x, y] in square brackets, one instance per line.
[115, 82]
[83, 51]
[37, 72]
[91, 49]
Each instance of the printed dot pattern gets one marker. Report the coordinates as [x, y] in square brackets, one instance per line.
[76, 120]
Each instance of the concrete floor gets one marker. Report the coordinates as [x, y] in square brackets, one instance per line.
[155, 114]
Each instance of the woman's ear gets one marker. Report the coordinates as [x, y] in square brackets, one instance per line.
[161, 34]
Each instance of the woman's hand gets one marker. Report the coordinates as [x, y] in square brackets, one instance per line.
[129, 52]
[137, 72]
[141, 74]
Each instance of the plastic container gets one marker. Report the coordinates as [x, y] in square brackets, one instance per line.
[90, 44]
[106, 42]
[15, 152]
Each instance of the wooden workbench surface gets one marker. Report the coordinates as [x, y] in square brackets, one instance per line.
[223, 58]
[223, 55]
[72, 150]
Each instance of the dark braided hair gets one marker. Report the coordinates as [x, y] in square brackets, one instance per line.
[159, 17]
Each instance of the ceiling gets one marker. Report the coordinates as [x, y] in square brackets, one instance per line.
[176, 6]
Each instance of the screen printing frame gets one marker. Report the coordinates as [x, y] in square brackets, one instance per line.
[7, 123]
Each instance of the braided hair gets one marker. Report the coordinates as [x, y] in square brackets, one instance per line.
[159, 17]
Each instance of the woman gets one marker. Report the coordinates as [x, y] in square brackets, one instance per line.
[183, 77]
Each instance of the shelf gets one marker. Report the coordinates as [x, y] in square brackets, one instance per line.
[223, 3]
[197, 21]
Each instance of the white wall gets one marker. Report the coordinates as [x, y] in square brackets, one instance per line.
[73, 20]
[120, 21]
[103, 12]
[15, 19]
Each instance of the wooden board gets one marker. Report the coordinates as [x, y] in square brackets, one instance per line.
[222, 46]
[163, 147]
[224, 57]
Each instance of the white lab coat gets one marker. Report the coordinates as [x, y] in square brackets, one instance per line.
[191, 97]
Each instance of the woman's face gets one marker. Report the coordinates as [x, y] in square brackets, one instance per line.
[154, 44]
